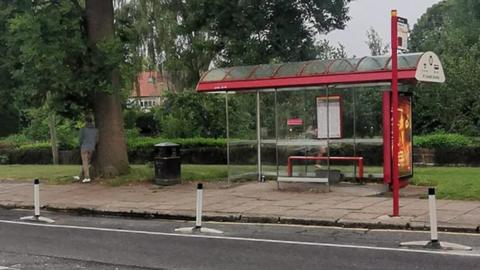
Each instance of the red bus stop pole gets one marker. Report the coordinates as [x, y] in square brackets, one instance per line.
[395, 179]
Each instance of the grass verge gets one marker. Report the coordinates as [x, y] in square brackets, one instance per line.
[457, 183]
[63, 174]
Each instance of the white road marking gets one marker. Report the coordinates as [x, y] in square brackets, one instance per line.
[6, 268]
[246, 239]
[339, 228]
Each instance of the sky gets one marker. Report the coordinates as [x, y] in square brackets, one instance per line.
[375, 13]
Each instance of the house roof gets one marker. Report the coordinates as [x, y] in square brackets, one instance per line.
[150, 83]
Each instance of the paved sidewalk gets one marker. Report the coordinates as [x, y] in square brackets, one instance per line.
[347, 205]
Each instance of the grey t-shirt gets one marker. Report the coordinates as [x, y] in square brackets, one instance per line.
[88, 138]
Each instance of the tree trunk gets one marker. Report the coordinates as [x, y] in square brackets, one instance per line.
[52, 126]
[111, 156]
[53, 137]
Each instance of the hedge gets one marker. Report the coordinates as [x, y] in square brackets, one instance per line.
[446, 149]
[444, 141]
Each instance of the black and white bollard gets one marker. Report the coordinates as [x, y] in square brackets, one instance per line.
[36, 205]
[432, 209]
[198, 216]
[434, 243]
[199, 206]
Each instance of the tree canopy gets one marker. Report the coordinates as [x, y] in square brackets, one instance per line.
[450, 28]
[184, 38]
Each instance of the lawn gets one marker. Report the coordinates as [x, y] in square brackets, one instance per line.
[457, 183]
[63, 174]
[462, 183]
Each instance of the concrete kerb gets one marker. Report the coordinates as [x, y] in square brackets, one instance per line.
[250, 219]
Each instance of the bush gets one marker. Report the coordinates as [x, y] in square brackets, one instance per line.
[16, 140]
[36, 146]
[140, 143]
[188, 114]
[147, 124]
[4, 159]
[442, 140]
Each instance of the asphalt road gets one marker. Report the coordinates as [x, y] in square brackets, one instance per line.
[85, 242]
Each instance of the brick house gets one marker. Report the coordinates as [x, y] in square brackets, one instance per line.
[147, 93]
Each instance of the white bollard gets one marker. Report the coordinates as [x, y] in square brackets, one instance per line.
[198, 216]
[432, 206]
[434, 243]
[36, 197]
[198, 220]
[36, 205]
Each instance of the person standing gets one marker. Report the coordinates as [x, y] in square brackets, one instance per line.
[88, 143]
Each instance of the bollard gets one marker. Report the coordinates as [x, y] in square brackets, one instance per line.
[432, 208]
[198, 216]
[198, 220]
[36, 205]
[36, 197]
[434, 243]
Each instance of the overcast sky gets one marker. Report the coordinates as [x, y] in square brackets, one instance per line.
[375, 13]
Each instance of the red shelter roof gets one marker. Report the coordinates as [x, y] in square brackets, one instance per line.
[412, 67]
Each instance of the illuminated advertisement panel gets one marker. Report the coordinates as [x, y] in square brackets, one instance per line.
[405, 149]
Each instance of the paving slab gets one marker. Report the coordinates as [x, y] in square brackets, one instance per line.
[346, 205]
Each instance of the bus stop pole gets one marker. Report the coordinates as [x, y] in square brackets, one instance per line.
[395, 180]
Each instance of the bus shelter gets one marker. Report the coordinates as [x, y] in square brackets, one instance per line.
[321, 120]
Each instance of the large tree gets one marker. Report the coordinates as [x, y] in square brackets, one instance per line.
[112, 156]
[68, 49]
[450, 28]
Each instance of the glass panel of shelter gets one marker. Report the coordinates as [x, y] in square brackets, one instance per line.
[369, 129]
[242, 136]
[297, 140]
[268, 133]
[294, 134]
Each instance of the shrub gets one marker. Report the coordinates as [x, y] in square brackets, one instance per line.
[129, 118]
[35, 146]
[3, 159]
[442, 140]
[146, 123]
[16, 140]
[139, 143]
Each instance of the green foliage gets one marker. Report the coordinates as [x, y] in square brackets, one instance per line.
[37, 129]
[146, 123]
[16, 140]
[130, 118]
[3, 159]
[375, 43]
[188, 114]
[135, 143]
[185, 37]
[453, 183]
[442, 140]
[35, 146]
[9, 120]
[450, 28]
[47, 51]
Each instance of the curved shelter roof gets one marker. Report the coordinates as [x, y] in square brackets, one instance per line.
[412, 67]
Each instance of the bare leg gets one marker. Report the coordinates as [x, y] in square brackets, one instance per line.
[85, 163]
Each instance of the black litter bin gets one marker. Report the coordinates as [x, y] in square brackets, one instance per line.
[167, 164]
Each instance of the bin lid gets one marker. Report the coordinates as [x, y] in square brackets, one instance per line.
[166, 144]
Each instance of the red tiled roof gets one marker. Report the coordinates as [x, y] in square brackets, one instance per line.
[151, 84]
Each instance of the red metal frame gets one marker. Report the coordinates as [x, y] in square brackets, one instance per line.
[340, 100]
[395, 77]
[303, 81]
[292, 158]
[387, 137]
